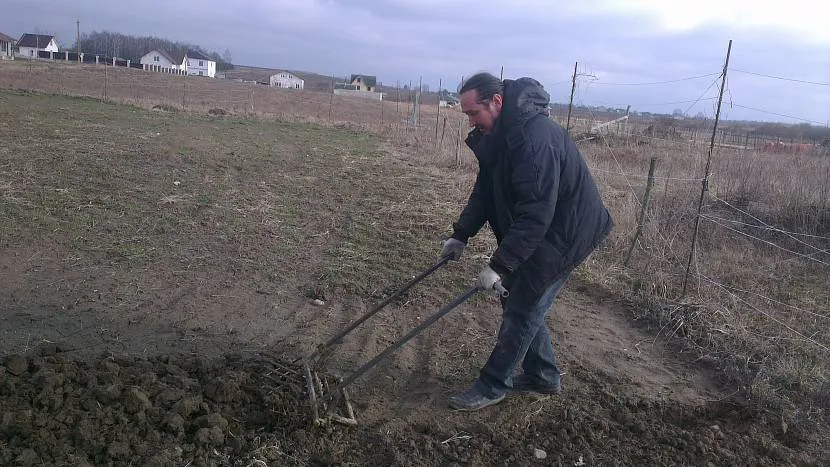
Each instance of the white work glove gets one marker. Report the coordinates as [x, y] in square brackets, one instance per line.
[452, 248]
[490, 281]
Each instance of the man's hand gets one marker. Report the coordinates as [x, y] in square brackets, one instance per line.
[452, 248]
[487, 280]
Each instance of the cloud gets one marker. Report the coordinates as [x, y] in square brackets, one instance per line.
[803, 20]
[615, 41]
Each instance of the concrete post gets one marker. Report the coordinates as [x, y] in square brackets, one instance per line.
[96, 59]
[81, 58]
[128, 63]
[66, 55]
[51, 55]
[113, 61]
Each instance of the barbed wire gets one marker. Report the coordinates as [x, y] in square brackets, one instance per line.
[772, 300]
[795, 80]
[652, 83]
[769, 227]
[785, 325]
[652, 104]
[807, 120]
[715, 197]
[646, 213]
[765, 241]
[655, 177]
[708, 88]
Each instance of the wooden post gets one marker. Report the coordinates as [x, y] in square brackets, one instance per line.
[252, 98]
[106, 82]
[571, 103]
[331, 97]
[705, 183]
[458, 142]
[418, 98]
[438, 114]
[443, 131]
[642, 218]
[184, 93]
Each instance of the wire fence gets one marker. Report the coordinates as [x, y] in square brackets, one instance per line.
[764, 247]
[765, 237]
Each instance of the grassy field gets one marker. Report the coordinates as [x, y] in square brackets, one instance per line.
[105, 203]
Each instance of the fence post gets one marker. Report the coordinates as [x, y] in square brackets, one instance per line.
[438, 113]
[458, 142]
[571, 103]
[705, 183]
[331, 97]
[642, 219]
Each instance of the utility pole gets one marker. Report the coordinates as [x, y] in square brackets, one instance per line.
[571, 103]
[501, 74]
[705, 182]
[78, 39]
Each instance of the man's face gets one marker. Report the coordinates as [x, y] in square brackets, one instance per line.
[482, 115]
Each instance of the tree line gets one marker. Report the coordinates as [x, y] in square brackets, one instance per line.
[113, 44]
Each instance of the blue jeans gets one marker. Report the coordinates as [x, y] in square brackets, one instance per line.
[523, 338]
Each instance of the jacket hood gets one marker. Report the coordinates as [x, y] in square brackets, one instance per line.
[523, 98]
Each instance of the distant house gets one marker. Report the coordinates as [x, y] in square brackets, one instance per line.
[30, 44]
[363, 86]
[157, 59]
[285, 79]
[363, 83]
[192, 63]
[6, 44]
[196, 63]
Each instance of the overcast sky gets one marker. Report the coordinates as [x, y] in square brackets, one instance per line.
[619, 44]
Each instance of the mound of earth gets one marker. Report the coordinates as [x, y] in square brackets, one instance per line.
[250, 409]
[160, 411]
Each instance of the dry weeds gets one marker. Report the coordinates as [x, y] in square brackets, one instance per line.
[758, 306]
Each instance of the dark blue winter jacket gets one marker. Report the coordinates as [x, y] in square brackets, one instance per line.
[534, 190]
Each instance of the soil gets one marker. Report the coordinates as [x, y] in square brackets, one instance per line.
[626, 401]
[163, 328]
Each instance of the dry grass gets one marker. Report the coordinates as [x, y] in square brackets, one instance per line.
[758, 305]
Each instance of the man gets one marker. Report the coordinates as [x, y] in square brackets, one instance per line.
[545, 210]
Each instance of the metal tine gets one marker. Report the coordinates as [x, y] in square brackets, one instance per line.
[312, 395]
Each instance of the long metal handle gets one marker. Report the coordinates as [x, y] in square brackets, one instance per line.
[403, 340]
[444, 260]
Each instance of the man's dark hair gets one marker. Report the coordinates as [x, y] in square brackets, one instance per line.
[485, 85]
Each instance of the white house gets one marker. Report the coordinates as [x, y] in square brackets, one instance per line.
[156, 59]
[197, 64]
[6, 44]
[285, 79]
[30, 44]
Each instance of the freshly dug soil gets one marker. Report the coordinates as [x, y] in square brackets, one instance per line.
[251, 409]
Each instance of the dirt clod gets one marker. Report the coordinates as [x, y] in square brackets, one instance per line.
[16, 364]
[135, 400]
